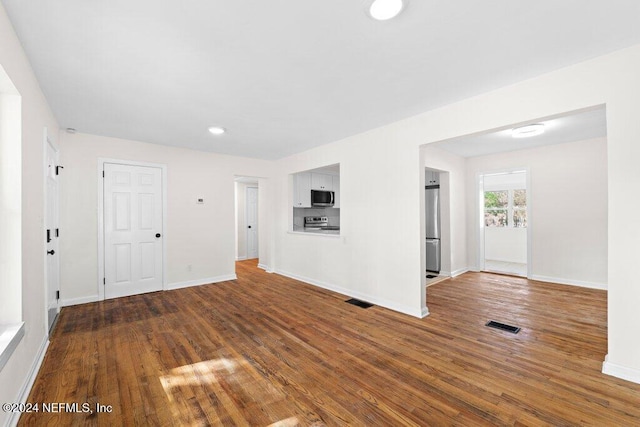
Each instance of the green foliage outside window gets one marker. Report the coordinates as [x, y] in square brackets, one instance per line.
[505, 208]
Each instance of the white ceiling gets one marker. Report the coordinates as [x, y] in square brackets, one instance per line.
[285, 76]
[576, 126]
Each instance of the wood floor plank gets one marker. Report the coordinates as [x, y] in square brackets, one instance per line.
[266, 349]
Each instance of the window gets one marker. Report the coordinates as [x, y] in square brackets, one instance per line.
[505, 208]
[11, 326]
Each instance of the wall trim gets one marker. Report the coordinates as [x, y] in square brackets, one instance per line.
[23, 394]
[591, 285]
[459, 271]
[241, 258]
[454, 273]
[78, 301]
[618, 371]
[359, 295]
[265, 267]
[198, 282]
[8, 346]
[169, 287]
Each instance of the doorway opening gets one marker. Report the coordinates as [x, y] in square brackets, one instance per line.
[246, 215]
[504, 223]
[51, 172]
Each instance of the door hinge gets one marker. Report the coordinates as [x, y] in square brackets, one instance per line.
[58, 169]
[57, 232]
[104, 281]
[48, 235]
[57, 294]
[103, 174]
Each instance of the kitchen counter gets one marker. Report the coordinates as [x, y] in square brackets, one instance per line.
[302, 230]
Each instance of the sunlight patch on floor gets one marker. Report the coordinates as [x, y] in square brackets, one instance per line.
[291, 421]
[206, 372]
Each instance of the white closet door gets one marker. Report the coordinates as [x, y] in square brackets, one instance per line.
[252, 222]
[132, 229]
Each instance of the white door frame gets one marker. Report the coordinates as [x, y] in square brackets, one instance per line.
[163, 167]
[48, 142]
[246, 217]
[480, 217]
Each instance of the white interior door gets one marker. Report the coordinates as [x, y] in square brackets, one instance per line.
[252, 222]
[132, 229]
[52, 234]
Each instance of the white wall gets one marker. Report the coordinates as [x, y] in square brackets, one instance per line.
[507, 244]
[380, 255]
[198, 235]
[568, 208]
[376, 218]
[36, 115]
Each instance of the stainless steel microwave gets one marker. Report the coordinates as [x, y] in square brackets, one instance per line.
[322, 198]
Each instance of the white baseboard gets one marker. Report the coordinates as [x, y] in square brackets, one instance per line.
[458, 272]
[198, 282]
[425, 312]
[23, 394]
[358, 295]
[241, 258]
[592, 285]
[168, 287]
[454, 273]
[78, 301]
[265, 268]
[629, 374]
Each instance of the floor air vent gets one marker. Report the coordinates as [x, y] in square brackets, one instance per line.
[359, 303]
[504, 327]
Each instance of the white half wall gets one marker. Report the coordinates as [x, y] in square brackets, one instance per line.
[506, 244]
[200, 238]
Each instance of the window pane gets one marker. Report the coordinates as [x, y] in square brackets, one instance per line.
[520, 218]
[495, 218]
[496, 199]
[520, 198]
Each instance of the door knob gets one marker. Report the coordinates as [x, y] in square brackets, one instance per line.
[51, 252]
[158, 234]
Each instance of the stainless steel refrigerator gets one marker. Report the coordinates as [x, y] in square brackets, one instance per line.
[432, 212]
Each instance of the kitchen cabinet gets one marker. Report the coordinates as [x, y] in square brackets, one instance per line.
[321, 181]
[432, 178]
[302, 190]
[336, 190]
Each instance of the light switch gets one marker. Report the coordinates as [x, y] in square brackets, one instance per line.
[200, 200]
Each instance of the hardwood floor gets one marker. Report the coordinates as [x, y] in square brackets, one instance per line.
[265, 349]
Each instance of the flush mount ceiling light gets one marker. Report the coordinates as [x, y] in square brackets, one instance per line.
[527, 131]
[217, 130]
[385, 9]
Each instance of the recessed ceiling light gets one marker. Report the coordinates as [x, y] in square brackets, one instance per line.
[527, 131]
[217, 130]
[385, 9]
